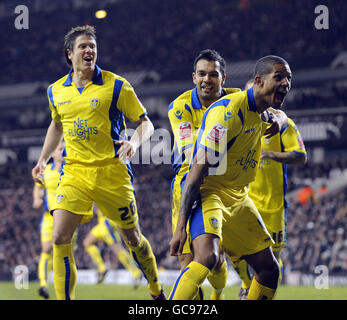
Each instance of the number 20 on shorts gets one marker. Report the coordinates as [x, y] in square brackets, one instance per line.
[127, 214]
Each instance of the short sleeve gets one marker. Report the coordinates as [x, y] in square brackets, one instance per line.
[54, 113]
[219, 126]
[129, 104]
[291, 139]
[181, 121]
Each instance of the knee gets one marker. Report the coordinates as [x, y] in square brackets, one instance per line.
[116, 247]
[132, 238]
[61, 238]
[206, 250]
[275, 269]
[208, 258]
[271, 271]
[86, 243]
[47, 247]
[220, 261]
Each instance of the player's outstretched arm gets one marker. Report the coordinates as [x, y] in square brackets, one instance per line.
[190, 193]
[291, 157]
[142, 133]
[53, 137]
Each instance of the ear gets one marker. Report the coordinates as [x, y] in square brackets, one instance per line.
[69, 54]
[259, 81]
[223, 79]
[194, 77]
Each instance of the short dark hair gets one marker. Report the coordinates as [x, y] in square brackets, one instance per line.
[70, 37]
[265, 64]
[211, 55]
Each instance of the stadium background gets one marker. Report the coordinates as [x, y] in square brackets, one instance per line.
[153, 44]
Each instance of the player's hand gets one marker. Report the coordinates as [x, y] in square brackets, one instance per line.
[272, 130]
[264, 154]
[37, 203]
[177, 241]
[126, 150]
[37, 171]
[278, 120]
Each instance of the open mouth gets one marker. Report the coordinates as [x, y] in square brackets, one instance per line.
[279, 96]
[207, 88]
[88, 59]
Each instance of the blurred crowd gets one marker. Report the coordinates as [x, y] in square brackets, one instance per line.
[316, 219]
[316, 228]
[316, 174]
[317, 235]
[327, 96]
[165, 36]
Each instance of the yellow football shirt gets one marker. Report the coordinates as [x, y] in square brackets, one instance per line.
[93, 119]
[268, 191]
[185, 114]
[231, 130]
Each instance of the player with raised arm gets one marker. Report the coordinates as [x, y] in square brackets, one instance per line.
[268, 190]
[217, 205]
[89, 106]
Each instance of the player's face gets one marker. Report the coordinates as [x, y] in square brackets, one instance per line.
[276, 85]
[209, 80]
[83, 56]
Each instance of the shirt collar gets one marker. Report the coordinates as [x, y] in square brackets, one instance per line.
[251, 102]
[97, 77]
[195, 98]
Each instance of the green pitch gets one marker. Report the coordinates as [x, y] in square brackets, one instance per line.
[122, 292]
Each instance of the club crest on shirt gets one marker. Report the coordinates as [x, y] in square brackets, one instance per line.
[217, 133]
[214, 222]
[267, 140]
[227, 115]
[94, 103]
[60, 198]
[185, 130]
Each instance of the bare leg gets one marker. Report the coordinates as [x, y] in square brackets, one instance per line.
[265, 266]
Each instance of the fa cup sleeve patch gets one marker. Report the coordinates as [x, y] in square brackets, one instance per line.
[217, 133]
[185, 130]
